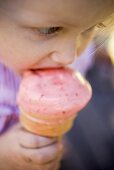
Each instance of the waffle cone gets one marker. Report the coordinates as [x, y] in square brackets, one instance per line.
[45, 129]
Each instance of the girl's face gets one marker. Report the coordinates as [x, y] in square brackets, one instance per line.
[48, 33]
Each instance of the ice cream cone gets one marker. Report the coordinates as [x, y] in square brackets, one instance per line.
[49, 100]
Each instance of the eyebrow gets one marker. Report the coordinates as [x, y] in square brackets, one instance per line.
[30, 19]
[42, 21]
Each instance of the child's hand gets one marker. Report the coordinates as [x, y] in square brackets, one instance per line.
[21, 150]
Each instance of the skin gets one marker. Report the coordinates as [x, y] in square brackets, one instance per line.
[25, 45]
[29, 151]
[22, 47]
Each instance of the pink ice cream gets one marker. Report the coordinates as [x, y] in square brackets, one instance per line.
[52, 98]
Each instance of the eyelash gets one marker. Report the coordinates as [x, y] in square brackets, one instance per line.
[49, 31]
[99, 26]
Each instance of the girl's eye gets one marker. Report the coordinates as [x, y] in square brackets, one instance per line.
[49, 30]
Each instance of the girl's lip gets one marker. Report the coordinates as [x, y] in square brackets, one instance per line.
[49, 68]
[43, 67]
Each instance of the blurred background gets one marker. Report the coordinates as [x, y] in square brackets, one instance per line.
[90, 143]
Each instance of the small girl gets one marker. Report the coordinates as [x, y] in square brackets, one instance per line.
[38, 35]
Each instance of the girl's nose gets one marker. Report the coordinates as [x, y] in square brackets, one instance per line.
[65, 54]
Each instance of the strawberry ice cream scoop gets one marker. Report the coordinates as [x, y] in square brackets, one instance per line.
[50, 99]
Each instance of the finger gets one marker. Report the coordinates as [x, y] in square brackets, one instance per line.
[43, 155]
[30, 140]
